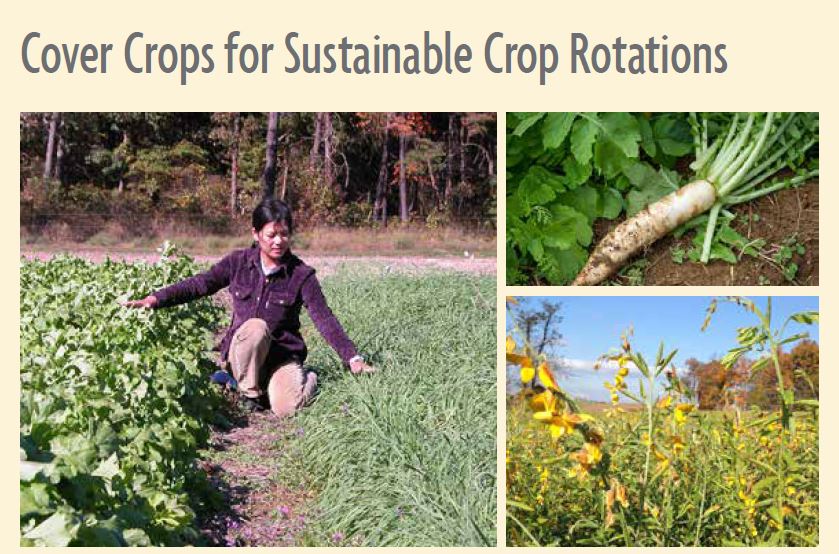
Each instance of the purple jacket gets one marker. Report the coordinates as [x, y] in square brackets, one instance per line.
[277, 299]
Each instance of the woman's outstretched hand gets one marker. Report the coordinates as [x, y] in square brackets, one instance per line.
[358, 367]
[148, 303]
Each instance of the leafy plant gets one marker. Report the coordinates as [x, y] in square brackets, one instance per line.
[114, 405]
[766, 341]
[566, 170]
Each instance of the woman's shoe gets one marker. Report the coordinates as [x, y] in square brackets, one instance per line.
[250, 405]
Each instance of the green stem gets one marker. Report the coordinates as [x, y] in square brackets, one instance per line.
[725, 144]
[726, 187]
[649, 405]
[709, 232]
[779, 489]
[701, 509]
[728, 155]
[740, 198]
[778, 153]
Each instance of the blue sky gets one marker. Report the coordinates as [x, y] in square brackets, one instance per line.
[591, 326]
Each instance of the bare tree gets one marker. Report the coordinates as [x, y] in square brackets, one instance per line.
[380, 205]
[52, 141]
[234, 163]
[540, 326]
[328, 143]
[269, 175]
[403, 184]
[316, 138]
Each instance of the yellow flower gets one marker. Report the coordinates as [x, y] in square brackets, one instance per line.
[545, 474]
[511, 345]
[665, 402]
[623, 372]
[527, 374]
[678, 444]
[590, 454]
[680, 414]
[547, 377]
[620, 496]
[561, 424]
[512, 357]
[587, 457]
[578, 472]
[543, 402]
[663, 460]
[519, 359]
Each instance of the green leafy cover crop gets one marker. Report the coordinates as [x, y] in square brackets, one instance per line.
[565, 170]
[114, 404]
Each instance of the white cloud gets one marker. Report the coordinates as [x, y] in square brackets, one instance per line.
[607, 367]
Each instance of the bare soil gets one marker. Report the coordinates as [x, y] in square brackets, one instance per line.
[244, 464]
[788, 214]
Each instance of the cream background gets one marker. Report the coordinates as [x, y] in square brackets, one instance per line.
[780, 57]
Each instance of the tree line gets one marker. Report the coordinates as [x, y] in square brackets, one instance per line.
[716, 387]
[333, 168]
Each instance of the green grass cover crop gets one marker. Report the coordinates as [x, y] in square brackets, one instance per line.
[406, 456]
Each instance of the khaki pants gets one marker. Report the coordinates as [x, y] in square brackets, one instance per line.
[289, 386]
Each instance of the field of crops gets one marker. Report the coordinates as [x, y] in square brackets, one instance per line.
[651, 469]
[714, 485]
[406, 457]
[116, 407]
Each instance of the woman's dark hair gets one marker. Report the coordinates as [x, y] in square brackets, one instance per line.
[271, 210]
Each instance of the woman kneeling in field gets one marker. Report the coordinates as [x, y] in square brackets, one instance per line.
[263, 347]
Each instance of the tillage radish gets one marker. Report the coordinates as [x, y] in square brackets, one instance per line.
[738, 166]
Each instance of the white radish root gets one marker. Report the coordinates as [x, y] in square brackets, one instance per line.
[644, 228]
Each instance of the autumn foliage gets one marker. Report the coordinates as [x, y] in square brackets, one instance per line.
[718, 388]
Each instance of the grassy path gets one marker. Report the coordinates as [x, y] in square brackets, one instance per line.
[244, 463]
